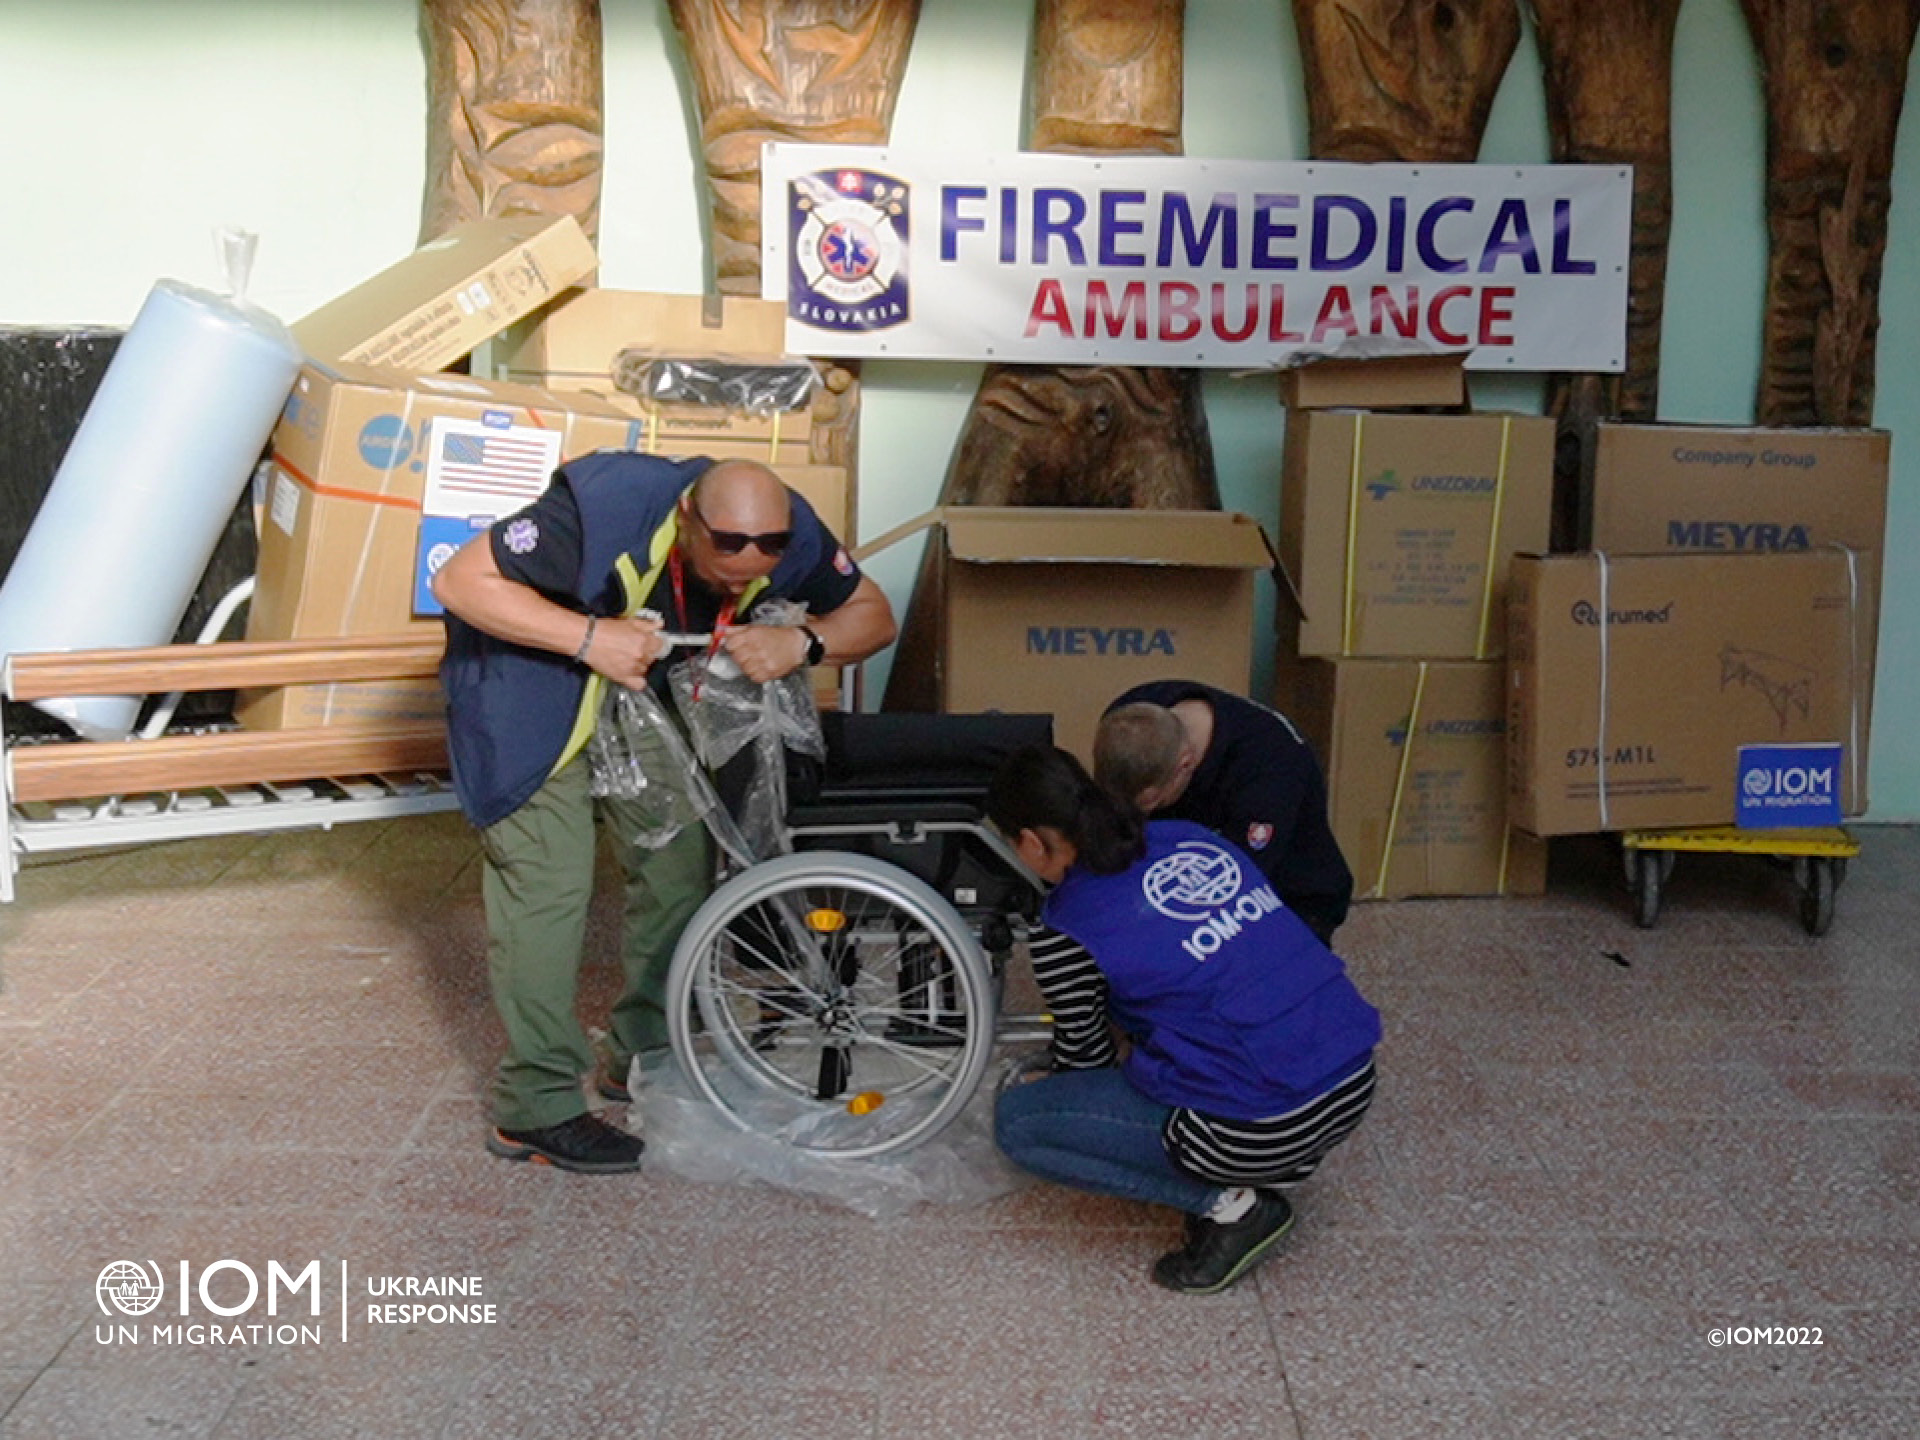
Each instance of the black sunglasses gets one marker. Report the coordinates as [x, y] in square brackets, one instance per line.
[773, 543]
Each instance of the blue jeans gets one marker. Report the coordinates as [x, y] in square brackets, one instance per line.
[1092, 1130]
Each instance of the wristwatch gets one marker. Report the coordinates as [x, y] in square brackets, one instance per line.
[816, 647]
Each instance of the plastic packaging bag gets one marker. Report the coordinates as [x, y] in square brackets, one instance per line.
[636, 753]
[729, 716]
[687, 1137]
[758, 387]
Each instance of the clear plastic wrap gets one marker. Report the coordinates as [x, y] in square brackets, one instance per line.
[759, 386]
[636, 753]
[729, 716]
[689, 1138]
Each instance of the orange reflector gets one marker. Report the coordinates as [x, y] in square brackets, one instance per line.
[826, 922]
[866, 1102]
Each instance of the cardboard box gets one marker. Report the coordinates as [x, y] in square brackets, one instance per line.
[1056, 611]
[583, 332]
[1679, 488]
[1384, 382]
[452, 293]
[1416, 751]
[1660, 488]
[342, 538]
[1396, 530]
[575, 344]
[1637, 723]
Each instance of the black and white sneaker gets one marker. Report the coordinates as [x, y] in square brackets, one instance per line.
[1217, 1254]
[585, 1143]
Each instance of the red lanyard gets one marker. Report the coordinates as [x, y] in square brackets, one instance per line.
[677, 573]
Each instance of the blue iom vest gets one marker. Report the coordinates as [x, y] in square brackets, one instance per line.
[1234, 1008]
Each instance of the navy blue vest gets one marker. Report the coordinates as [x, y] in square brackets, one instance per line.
[511, 709]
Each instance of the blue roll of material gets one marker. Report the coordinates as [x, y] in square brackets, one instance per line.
[161, 458]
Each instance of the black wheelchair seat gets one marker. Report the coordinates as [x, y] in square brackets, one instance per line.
[909, 789]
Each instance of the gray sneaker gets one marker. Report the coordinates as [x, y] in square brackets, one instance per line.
[586, 1144]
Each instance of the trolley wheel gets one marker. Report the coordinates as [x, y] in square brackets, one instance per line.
[1646, 871]
[831, 1001]
[1816, 895]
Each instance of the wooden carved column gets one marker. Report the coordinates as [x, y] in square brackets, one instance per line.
[1106, 80]
[1609, 92]
[515, 110]
[824, 71]
[1835, 78]
[1402, 79]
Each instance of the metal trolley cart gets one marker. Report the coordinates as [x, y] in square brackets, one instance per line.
[1818, 858]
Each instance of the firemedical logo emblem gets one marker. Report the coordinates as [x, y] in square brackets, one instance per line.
[849, 265]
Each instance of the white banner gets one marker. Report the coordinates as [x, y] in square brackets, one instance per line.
[1054, 259]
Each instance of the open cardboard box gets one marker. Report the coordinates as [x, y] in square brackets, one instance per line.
[1033, 609]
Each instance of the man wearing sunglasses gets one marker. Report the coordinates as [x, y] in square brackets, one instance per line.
[545, 610]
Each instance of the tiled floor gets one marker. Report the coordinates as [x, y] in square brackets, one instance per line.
[1593, 1145]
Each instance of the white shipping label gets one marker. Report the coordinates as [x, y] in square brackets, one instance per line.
[286, 501]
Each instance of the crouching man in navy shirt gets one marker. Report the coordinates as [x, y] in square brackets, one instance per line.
[1180, 750]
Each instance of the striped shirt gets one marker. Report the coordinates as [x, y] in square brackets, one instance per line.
[1276, 1150]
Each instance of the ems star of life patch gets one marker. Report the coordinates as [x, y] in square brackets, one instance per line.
[521, 536]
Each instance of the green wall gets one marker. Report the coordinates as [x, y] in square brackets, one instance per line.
[138, 126]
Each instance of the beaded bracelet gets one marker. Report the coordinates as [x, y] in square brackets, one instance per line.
[586, 641]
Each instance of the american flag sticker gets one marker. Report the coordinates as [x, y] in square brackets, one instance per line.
[475, 468]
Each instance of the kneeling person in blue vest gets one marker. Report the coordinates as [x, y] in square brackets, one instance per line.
[544, 611]
[1248, 1051]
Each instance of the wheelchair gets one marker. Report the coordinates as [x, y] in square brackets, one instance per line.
[845, 997]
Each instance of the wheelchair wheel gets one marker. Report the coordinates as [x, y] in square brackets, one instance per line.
[831, 1001]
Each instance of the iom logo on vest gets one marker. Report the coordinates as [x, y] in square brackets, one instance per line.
[1788, 785]
[1199, 884]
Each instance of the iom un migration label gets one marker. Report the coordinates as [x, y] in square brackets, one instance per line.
[1782, 786]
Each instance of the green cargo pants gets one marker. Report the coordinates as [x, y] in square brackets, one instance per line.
[537, 883]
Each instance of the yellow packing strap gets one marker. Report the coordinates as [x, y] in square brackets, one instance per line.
[1353, 530]
[1400, 782]
[1493, 535]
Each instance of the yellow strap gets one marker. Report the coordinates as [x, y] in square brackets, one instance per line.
[1506, 848]
[1493, 535]
[1400, 783]
[1353, 532]
[635, 587]
[773, 439]
[653, 432]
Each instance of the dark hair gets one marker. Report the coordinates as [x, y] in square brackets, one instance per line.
[1043, 785]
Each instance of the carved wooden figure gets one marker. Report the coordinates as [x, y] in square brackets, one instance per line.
[1107, 79]
[1609, 94]
[1835, 79]
[1402, 79]
[514, 110]
[826, 71]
